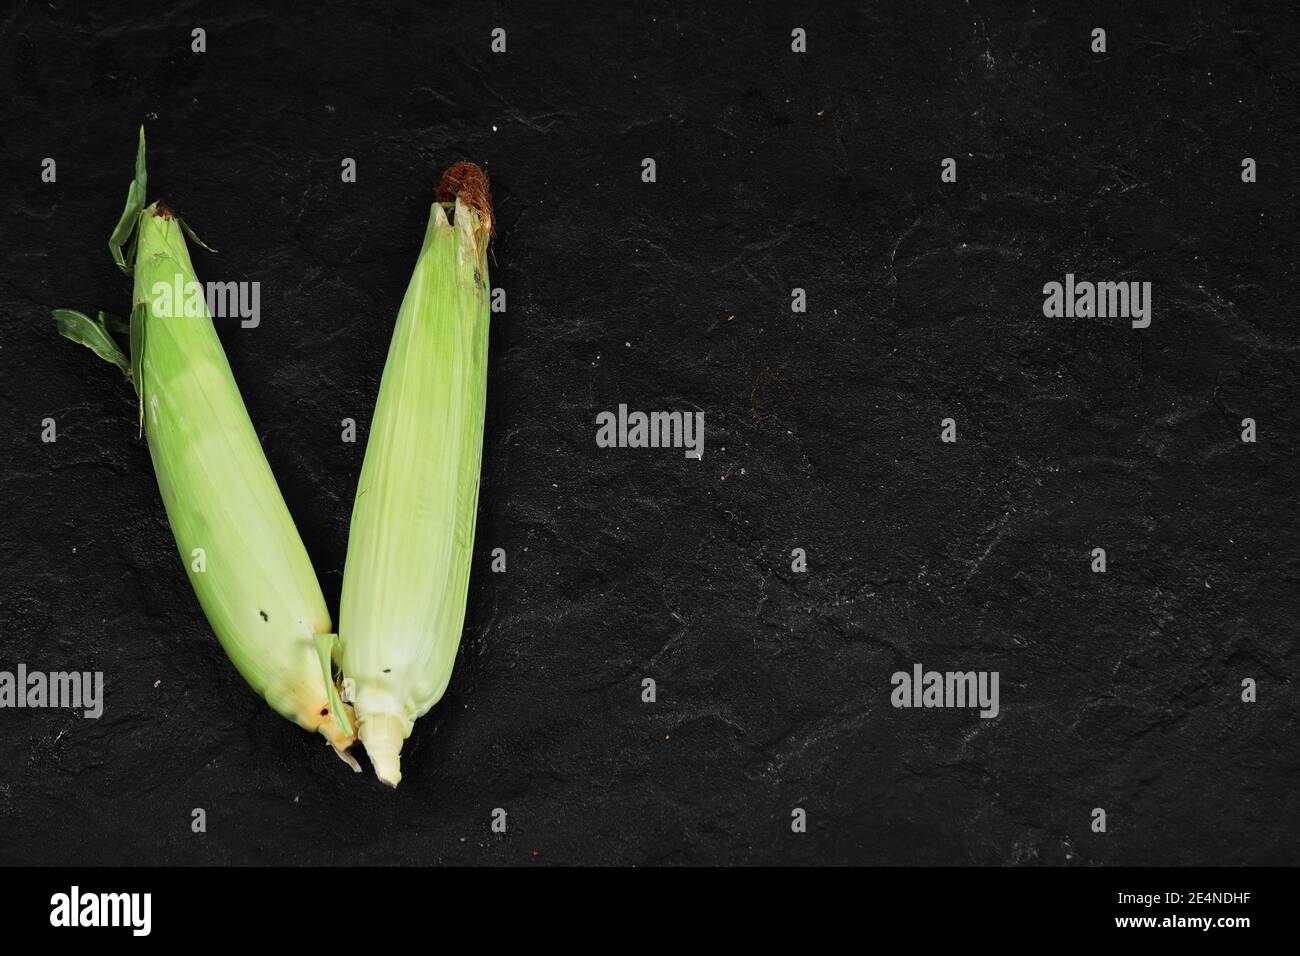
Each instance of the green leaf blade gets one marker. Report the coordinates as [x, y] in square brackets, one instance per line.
[126, 225]
[92, 333]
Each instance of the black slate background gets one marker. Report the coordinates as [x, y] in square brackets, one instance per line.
[775, 170]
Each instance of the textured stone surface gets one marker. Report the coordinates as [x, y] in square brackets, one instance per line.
[775, 170]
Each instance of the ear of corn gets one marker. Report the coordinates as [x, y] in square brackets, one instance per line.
[239, 545]
[412, 534]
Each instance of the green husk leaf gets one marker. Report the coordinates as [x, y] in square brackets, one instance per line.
[93, 334]
[190, 232]
[126, 226]
[137, 354]
[325, 646]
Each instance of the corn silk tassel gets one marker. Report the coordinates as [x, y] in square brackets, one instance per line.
[240, 547]
[406, 578]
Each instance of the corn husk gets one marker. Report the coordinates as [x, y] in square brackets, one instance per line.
[406, 578]
[238, 543]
